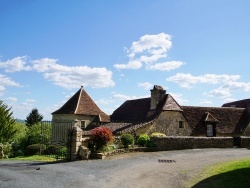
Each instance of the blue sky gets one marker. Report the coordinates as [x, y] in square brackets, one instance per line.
[197, 50]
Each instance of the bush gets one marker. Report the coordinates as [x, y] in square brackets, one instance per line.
[100, 137]
[53, 149]
[159, 135]
[143, 139]
[34, 149]
[127, 139]
[7, 150]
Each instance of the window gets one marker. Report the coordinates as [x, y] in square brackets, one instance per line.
[181, 124]
[210, 131]
[83, 125]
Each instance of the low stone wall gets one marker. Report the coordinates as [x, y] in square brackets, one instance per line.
[245, 142]
[125, 150]
[185, 142]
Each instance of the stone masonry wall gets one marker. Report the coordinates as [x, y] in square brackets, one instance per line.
[177, 143]
[245, 142]
[168, 123]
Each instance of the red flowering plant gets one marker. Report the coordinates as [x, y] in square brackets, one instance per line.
[100, 137]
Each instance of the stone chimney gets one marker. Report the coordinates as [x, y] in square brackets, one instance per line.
[157, 94]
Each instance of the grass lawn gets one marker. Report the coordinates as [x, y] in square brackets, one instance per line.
[34, 158]
[229, 174]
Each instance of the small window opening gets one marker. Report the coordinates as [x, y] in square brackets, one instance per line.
[181, 124]
[83, 125]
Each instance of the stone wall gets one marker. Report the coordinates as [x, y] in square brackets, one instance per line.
[168, 123]
[245, 142]
[186, 142]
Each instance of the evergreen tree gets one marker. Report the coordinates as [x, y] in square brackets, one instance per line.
[7, 123]
[33, 118]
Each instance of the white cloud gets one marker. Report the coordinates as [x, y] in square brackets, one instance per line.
[10, 100]
[237, 86]
[220, 92]
[65, 76]
[166, 66]
[153, 44]
[16, 64]
[147, 50]
[75, 76]
[6, 82]
[179, 98]
[145, 85]
[104, 101]
[47, 64]
[30, 100]
[126, 97]
[123, 97]
[188, 80]
[227, 100]
[206, 102]
[130, 65]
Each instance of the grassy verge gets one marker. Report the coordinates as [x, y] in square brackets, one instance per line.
[34, 158]
[228, 174]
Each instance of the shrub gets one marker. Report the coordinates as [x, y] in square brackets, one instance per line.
[34, 149]
[53, 149]
[157, 135]
[143, 139]
[7, 150]
[100, 137]
[127, 139]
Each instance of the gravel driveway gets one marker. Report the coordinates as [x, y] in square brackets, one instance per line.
[152, 169]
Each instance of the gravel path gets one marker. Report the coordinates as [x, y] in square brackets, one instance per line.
[154, 169]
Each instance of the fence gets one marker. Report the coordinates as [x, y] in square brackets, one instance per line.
[46, 146]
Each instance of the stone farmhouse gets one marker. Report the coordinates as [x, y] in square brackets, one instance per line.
[161, 113]
[158, 113]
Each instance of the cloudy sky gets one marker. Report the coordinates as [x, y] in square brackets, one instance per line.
[199, 51]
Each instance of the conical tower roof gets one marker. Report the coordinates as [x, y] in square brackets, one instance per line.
[82, 104]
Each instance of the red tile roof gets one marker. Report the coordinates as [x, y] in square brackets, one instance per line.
[82, 104]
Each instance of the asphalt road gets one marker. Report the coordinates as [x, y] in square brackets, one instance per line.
[152, 169]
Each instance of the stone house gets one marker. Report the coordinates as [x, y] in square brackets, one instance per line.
[80, 110]
[158, 113]
[161, 113]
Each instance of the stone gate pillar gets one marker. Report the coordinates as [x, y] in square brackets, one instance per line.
[75, 140]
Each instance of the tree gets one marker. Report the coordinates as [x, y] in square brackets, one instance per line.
[7, 123]
[39, 133]
[33, 118]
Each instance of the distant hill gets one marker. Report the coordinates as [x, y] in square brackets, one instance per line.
[20, 120]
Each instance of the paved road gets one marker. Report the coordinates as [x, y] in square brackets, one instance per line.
[156, 169]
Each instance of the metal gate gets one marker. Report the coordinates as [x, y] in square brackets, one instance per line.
[47, 147]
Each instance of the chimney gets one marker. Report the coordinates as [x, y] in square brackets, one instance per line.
[157, 94]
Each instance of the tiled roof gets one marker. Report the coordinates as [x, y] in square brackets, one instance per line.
[228, 120]
[135, 114]
[82, 104]
[139, 110]
[238, 104]
[132, 110]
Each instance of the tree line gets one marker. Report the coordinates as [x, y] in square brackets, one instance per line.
[16, 136]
